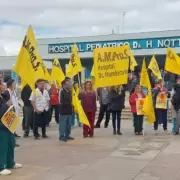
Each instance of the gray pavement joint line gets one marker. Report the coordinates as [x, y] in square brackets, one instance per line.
[141, 171]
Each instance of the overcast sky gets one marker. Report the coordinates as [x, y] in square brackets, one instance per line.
[60, 18]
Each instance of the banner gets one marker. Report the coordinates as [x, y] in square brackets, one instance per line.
[10, 120]
[139, 106]
[57, 75]
[155, 68]
[111, 66]
[74, 66]
[28, 63]
[144, 79]
[172, 63]
[161, 101]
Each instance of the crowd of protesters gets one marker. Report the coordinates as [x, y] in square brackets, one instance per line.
[38, 109]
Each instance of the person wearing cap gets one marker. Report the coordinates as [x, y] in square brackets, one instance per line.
[40, 103]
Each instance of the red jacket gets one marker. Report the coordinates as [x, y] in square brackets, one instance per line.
[53, 92]
[132, 101]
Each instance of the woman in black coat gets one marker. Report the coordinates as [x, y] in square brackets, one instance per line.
[117, 101]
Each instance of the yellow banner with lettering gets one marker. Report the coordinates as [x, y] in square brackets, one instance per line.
[161, 101]
[172, 63]
[10, 120]
[28, 64]
[111, 66]
[139, 106]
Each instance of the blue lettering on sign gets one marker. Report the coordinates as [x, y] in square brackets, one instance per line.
[134, 44]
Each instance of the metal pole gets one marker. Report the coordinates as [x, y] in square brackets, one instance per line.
[123, 22]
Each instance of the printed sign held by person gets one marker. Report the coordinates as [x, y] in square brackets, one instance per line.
[10, 119]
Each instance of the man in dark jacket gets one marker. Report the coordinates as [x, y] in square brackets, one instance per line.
[66, 110]
[176, 105]
[28, 109]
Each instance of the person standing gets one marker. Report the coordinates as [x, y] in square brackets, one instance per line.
[66, 111]
[104, 104]
[160, 114]
[7, 139]
[28, 109]
[116, 104]
[88, 100]
[138, 119]
[53, 92]
[40, 103]
[10, 94]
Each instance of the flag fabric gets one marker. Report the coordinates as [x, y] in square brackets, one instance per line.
[133, 63]
[155, 68]
[92, 71]
[46, 72]
[23, 84]
[78, 108]
[148, 107]
[172, 63]
[74, 66]
[57, 75]
[28, 64]
[144, 79]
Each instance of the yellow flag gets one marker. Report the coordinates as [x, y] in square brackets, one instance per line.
[57, 74]
[78, 108]
[133, 63]
[92, 71]
[172, 62]
[155, 68]
[28, 64]
[148, 107]
[74, 65]
[144, 79]
[46, 72]
[23, 84]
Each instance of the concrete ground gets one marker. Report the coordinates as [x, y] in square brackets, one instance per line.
[105, 157]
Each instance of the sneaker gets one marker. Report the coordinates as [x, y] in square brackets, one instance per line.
[36, 138]
[5, 172]
[63, 139]
[17, 166]
[114, 132]
[44, 136]
[97, 126]
[70, 138]
[176, 133]
[166, 132]
[155, 132]
[17, 145]
[25, 136]
[106, 126]
[119, 133]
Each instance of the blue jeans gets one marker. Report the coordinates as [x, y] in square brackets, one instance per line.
[65, 126]
[73, 120]
[174, 125]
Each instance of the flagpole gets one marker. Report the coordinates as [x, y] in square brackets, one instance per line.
[79, 81]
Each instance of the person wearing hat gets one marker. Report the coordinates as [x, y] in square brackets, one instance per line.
[40, 103]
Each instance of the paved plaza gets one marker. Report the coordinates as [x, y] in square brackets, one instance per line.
[104, 157]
